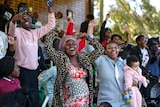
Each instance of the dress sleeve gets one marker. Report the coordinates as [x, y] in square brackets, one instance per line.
[46, 28]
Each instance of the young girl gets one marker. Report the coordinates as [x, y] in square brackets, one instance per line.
[132, 72]
[8, 73]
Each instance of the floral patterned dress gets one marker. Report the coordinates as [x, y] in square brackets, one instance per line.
[76, 92]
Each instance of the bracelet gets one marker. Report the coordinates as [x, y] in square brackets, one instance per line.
[88, 37]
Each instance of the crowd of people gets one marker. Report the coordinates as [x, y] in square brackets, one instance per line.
[48, 65]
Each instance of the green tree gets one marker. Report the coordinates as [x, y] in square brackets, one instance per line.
[146, 23]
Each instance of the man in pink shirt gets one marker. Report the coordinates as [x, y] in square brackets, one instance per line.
[26, 50]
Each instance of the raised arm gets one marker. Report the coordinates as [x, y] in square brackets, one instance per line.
[50, 24]
[98, 49]
[102, 31]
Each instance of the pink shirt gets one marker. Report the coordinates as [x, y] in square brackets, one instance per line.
[7, 85]
[26, 51]
[131, 75]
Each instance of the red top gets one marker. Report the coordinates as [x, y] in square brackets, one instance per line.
[104, 42]
[7, 85]
[70, 28]
[82, 44]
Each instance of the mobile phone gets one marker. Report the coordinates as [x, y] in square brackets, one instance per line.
[50, 3]
[22, 9]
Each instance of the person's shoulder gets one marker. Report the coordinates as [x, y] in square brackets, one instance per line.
[17, 80]
[134, 47]
[101, 57]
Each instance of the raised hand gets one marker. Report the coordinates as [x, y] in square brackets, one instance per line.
[11, 40]
[17, 17]
[91, 26]
[127, 28]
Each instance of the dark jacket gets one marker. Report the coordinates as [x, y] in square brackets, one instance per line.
[137, 52]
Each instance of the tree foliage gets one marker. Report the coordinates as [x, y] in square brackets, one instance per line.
[146, 23]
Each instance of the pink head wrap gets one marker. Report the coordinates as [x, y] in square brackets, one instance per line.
[64, 39]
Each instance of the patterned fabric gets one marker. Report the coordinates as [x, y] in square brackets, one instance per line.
[76, 92]
[62, 63]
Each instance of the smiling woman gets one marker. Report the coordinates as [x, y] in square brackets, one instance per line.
[74, 83]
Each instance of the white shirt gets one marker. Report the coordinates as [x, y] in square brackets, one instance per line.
[145, 57]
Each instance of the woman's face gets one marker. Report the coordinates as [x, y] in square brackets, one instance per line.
[70, 48]
[143, 42]
[108, 34]
[26, 22]
[112, 51]
[117, 40]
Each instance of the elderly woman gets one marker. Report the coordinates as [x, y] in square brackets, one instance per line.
[111, 80]
[73, 85]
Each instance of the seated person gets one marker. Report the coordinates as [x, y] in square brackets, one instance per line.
[9, 72]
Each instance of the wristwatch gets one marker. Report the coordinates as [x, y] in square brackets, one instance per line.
[88, 37]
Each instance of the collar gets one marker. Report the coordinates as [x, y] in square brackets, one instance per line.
[5, 78]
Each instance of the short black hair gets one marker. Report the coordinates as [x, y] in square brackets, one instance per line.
[139, 38]
[109, 43]
[6, 66]
[107, 29]
[152, 44]
[116, 35]
[90, 17]
[131, 59]
[23, 97]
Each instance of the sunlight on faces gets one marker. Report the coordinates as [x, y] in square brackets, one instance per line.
[26, 21]
[117, 40]
[143, 41]
[108, 34]
[112, 50]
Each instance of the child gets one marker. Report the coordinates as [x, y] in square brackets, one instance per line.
[23, 97]
[132, 72]
[8, 73]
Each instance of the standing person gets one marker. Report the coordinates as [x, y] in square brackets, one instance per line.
[154, 65]
[59, 22]
[132, 72]
[26, 51]
[6, 14]
[111, 79]
[83, 29]
[9, 71]
[142, 53]
[3, 44]
[105, 33]
[74, 84]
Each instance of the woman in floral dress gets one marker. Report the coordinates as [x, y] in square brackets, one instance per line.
[74, 81]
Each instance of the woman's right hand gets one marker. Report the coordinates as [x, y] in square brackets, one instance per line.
[91, 26]
[17, 17]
